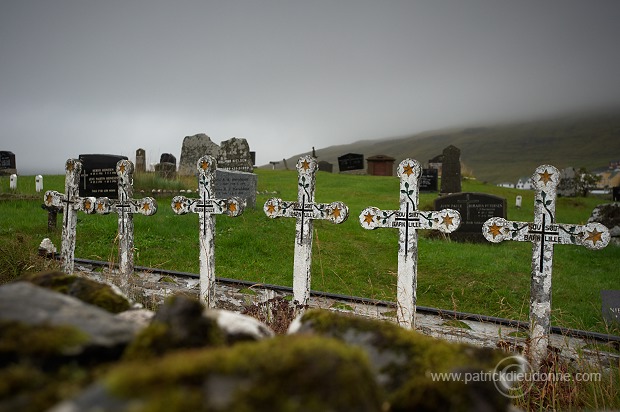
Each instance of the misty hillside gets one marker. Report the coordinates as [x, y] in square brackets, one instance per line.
[502, 153]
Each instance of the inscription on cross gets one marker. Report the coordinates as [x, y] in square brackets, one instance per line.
[305, 211]
[125, 206]
[71, 203]
[544, 232]
[408, 219]
[206, 207]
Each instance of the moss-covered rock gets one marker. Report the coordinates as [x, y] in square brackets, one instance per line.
[286, 373]
[404, 361]
[86, 290]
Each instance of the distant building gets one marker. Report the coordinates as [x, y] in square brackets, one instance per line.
[507, 184]
[524, 183]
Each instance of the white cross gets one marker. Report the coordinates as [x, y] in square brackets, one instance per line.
[408, 219]
[125, 206]
[305, 210]
[544, 232]
[71, 202]
[207, 206]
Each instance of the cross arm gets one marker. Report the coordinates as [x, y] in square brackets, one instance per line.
[53, 198]
[445, 220]
[146, 206]
[232, 206]
[336, 212]
[592, 235]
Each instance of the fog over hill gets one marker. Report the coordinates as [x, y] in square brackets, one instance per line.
[502, 152]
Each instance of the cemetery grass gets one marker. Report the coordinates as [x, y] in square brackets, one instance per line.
[489, 279]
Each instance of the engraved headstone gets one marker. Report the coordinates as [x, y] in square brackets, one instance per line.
[7, 163]
[451, 170]
[231, 183]
[408, 219]
[206, 207]
[429, 181]
[544, 232]
[610, 307]
[98, 177]
[326, 167]
[194, 147]
[140, 161]
[475, 209]
[350, 161]
[305, 210]
[125, 207]
[38, 183]
[234, 154]
[70, 202]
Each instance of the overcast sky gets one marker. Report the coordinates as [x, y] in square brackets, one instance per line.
[112, 76]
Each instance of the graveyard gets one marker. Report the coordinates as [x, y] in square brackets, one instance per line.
[479, 278]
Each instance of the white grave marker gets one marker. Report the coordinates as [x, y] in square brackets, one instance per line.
[206, 206]
[126, 207]
[408, 219]
[305, 210]
[544, 232]
[38, 183]
[13, 182]
[71, 203]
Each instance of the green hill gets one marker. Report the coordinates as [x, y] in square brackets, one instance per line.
[503, 152]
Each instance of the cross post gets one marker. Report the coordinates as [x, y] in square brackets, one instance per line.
[305, 211]
[408, 219]
[544, 232]
[206, 207]
[70, 202]
[126, 207]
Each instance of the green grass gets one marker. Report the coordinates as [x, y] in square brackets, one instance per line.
[490, 279]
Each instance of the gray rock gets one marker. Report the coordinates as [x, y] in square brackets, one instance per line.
[238, 327]
[194, 147]
[608, 214]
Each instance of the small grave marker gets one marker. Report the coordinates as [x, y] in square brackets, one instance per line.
[126, 207]
[518, 201]
[610, 307]
[13, 182]
[70, 203]
[38, 183]
[544, 232]
[305, 210]
[408, 219]
[206, 207]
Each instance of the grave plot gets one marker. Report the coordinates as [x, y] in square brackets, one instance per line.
[305, 211]
[544, 232]
[206, 207]
[408, 219]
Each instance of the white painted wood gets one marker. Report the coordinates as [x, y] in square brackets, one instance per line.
[408, 219]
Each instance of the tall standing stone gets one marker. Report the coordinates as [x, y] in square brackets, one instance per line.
[305, 210]
[140, 161]
[194, 147]
[544, 232]
[451, 170]
[235, 155]
[70, 202]
[408, 219]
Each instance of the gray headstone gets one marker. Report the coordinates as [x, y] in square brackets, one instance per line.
[475, 209]
[235, 155]
[140, 161]
[610, 306]
[231, 183]
[98, 177]
[194, 147]
[451, 170]
[568, 185]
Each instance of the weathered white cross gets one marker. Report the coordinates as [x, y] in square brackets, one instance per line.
[544, 232]
[408, 219]
[71, 202]
[305, 210]
[206, 207]
[125, 206]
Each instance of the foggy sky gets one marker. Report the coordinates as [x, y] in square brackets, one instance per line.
[112, 76]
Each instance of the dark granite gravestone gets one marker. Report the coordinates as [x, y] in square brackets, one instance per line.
[475, 209]
[168, 158]
[616, 194]
[326, 166]
[429, 180]
[610, 306]
[99, 177]
[140, 161]
[350, 161]
[7, 163]
[234, 154]
[451, 170]
[167, 166]
[233, 183]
